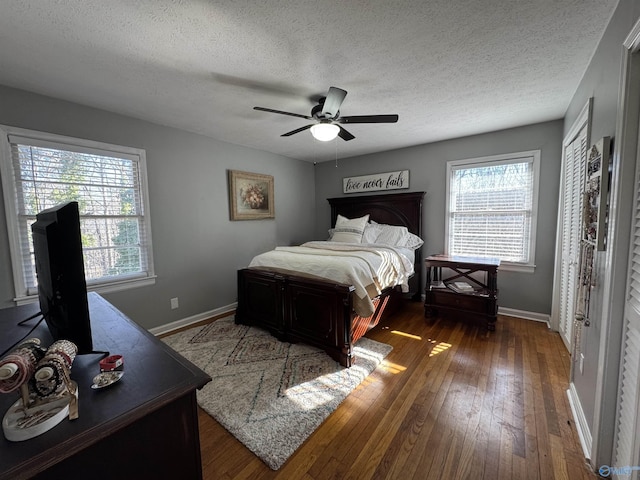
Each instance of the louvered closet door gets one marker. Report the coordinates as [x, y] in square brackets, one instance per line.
[573, 182]
[627, 446]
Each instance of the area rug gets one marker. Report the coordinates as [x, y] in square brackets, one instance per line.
[270, 395]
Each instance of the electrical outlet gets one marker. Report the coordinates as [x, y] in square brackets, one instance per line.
[174, 303]
[581, 362]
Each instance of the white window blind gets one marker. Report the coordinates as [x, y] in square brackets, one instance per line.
[109, 184]
[492, 207]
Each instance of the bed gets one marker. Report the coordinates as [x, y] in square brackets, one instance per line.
[297, 306]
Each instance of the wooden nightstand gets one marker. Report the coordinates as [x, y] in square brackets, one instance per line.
[462, 291]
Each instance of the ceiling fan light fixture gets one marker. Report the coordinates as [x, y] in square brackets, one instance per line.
[325, 131]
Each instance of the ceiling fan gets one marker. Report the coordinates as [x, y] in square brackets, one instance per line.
[327, 116]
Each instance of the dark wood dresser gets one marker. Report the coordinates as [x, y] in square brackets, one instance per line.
[144, 426]
[462, 290]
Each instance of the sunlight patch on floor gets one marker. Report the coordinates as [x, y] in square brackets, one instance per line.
[367, 381]
[309, 396]
[408, 335]
[391, 367]
[439, 348]
[323, 389]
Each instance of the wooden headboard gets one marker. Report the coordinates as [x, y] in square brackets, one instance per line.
[393, 209]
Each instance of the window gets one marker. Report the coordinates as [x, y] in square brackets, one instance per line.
[492, 208]
[41, 170]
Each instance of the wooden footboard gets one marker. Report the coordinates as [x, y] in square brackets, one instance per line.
[302, 308]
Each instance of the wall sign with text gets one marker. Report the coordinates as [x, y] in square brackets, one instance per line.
[378, 181]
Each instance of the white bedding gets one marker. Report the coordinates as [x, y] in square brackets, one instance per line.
[369, 268]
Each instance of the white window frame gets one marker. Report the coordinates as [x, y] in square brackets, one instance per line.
[502, 159]
[22, 296]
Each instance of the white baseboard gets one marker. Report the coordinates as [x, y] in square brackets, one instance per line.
[536, 317]
[580, 420]
[512, 312]
[185, 322]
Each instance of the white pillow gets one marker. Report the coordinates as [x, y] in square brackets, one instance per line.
[349, 230]
[371, 232]
[398, 236]
[411, 241]
[330, 234]
[391, 235]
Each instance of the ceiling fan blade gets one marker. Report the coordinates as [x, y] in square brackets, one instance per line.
[332, 103]
[345, 135]
[262, 109]
[297, 130]
[369, 119]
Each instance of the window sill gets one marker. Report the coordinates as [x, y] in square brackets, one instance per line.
[515, 267]
[101, 288]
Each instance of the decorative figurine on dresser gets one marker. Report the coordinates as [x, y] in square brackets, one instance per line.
[47, 393]
[135, 419]
[471, 287]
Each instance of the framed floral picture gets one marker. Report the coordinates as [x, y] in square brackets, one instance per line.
[250, 196]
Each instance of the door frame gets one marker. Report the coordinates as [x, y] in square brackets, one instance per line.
[584, 118]
[616, 267]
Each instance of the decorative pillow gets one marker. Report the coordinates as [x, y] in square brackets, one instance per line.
[349, 230]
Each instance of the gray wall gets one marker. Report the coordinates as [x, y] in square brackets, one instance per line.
[530, 292]
[197, 249]
[601, 81]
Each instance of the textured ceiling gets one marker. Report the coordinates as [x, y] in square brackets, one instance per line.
[448, 68]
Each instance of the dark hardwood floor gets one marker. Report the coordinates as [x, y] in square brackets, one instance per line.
[450, 401]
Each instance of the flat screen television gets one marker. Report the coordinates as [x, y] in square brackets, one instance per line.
[62, 288]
